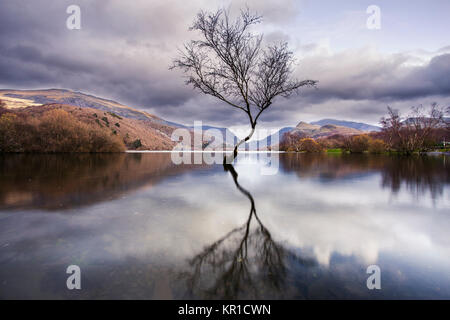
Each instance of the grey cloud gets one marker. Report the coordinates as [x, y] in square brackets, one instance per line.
[124, 50]
[358, 76]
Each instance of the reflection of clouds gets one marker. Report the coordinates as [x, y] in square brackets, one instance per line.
[363, 222]
[172, 221]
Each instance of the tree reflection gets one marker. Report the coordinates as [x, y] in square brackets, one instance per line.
[246, 262]
[417, 174]
[67, 180]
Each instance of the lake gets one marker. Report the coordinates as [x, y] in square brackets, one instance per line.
[141, 227]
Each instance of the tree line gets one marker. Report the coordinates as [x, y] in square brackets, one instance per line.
[421, 130]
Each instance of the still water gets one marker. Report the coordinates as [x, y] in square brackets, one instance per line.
[141, 227]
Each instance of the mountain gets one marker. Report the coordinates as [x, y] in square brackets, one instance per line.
[315, 131]
[228, 137]
[139, 129]
[302, 130]
[25, 98]
[307, 127]
[349, 124]
[153, 132]
[270, 141]
[410, 121]
[136, 134]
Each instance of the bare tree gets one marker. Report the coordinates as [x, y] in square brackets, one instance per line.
[230, 64]
[416, 130]
[392, 125]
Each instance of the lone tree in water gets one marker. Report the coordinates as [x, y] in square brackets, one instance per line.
[229, 63]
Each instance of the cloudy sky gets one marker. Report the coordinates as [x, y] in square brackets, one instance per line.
[124, 49]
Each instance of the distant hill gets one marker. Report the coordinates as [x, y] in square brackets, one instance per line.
[303, 130]
[446, 121]
[270, 141]
[154, 132]
[349, 124]
[136, 134]
[227, 137]
[25, 98]
[317, 131]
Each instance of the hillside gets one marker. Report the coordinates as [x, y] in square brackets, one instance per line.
[139, 129]
[136, 134]
[304, 129]
[144, 131]
[26, 98]
[349, 124]
[228, 138]
[270, 141]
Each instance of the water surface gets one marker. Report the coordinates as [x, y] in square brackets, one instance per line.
[141, 227]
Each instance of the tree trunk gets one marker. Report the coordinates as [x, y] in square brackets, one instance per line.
[235, 151]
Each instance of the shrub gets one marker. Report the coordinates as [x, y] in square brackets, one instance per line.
[377, 146]
[357, 143]
[310, 145]
[336, 141]
[105, 119]
[112, 114]
[8, 133]
[137, 143]
[55, 131]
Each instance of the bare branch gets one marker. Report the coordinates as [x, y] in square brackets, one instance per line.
[228, 63]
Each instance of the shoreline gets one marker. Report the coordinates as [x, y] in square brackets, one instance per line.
[428, 153]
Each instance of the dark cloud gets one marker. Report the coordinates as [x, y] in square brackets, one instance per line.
[124, 50]
[362, 76]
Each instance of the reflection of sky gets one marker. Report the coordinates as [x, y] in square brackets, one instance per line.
[172, 221]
